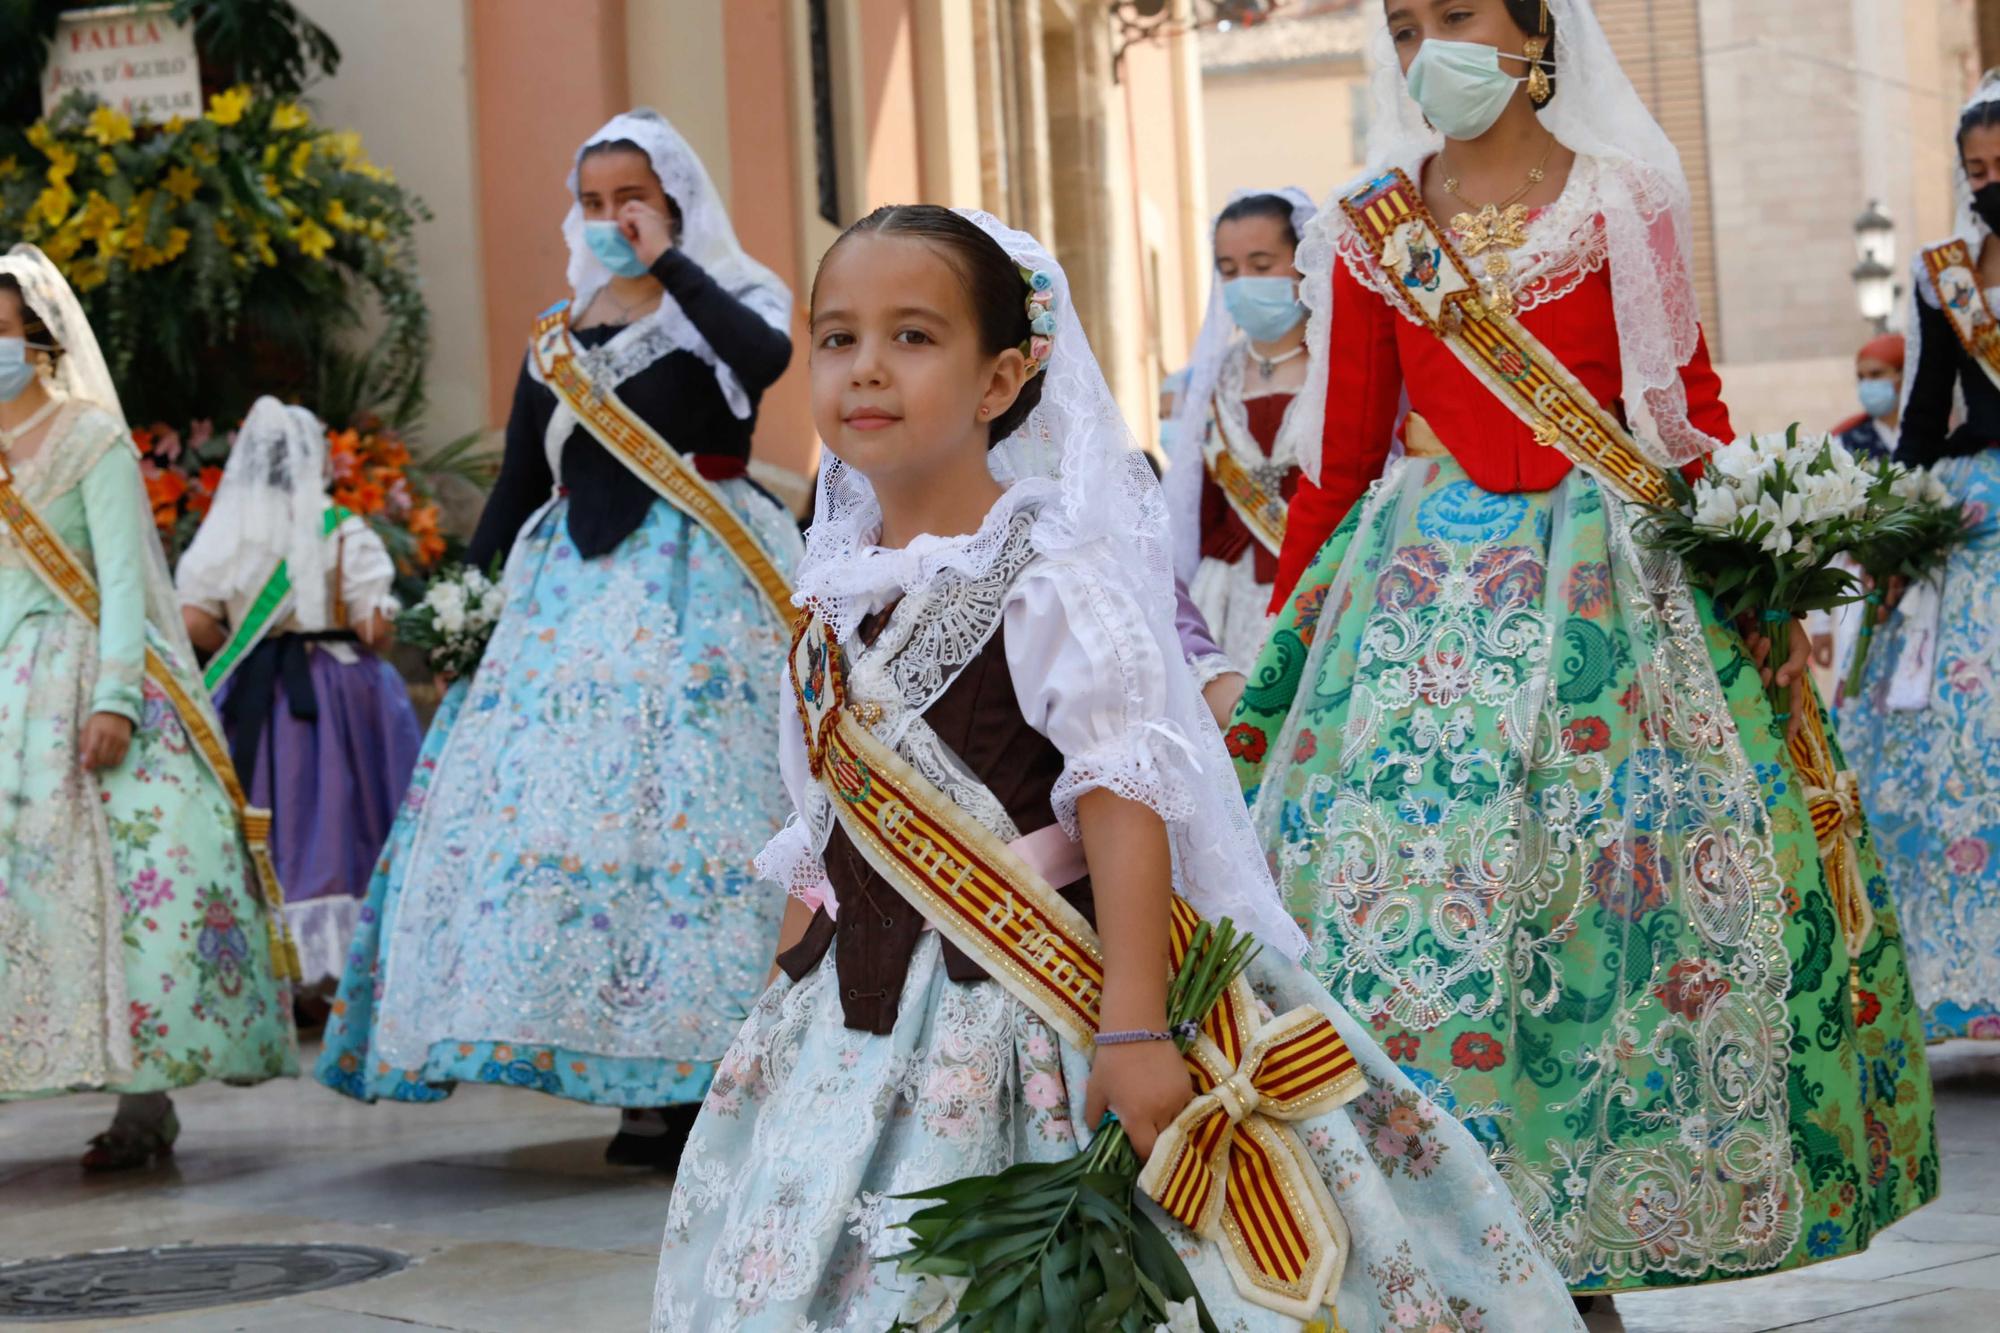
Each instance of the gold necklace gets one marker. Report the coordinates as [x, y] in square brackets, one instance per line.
[1497, 228]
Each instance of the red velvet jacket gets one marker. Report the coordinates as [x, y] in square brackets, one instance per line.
[1378, 355]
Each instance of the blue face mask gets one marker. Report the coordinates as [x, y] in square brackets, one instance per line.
[1879, 398]
[1460, 86]
[608, 243]
[1265, 308]
[16, 371]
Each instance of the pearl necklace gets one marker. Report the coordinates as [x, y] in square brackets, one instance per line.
[1268, 366]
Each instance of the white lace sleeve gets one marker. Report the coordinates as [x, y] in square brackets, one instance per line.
[1089, 676]
[792, 857]
[366, 572]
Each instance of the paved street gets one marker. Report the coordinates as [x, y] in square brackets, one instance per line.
[513, 1223]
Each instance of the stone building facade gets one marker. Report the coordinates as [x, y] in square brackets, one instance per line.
[808, 113]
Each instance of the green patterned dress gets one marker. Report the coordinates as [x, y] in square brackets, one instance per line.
[1527, 798]
[134, 954]
[1564, 864]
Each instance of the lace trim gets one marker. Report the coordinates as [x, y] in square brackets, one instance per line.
[1286, 446]
[931, 636]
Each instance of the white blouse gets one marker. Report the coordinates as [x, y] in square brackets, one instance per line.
[366, 575]
[1087, 675]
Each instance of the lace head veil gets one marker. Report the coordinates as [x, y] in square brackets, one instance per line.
[1212, 345]
[1641, 197]
[82, 376]
[706, 237]
[1967, 226]
[271, 506]
[1099, 511]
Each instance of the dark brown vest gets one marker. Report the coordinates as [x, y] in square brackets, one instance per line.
[979, 719]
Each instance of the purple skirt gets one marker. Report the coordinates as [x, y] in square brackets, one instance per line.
[332, 784]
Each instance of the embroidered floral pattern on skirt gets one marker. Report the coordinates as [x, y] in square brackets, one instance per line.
[1526, 796]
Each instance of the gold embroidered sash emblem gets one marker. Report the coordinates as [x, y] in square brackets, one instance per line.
[1255, 495]
[1956, 277]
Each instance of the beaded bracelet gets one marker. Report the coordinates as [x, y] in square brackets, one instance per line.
[1133, 1036]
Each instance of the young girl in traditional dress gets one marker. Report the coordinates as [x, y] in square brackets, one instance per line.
[321, 729]
[1925, 732]
[992, 563]
[1233, 441]
[567, 903]
[135, 943]
[1523, 789]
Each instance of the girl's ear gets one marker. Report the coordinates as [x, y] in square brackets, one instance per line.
[1010, 372]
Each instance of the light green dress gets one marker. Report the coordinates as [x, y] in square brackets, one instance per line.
[134, 955]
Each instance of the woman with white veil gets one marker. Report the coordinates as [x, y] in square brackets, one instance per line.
[1234, 450]
[289, 596]
[568, 901]
[136, 949]
[1523, 788]
[1925, 730]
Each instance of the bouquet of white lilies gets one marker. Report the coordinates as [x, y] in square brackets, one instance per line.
[1761, 527]
[1913, 526]
[455, 618]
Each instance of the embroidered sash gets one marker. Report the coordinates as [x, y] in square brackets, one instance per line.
[1250, 492]
[64, 575]
[1953, 273]
[270, 607]
[1431, 279]
[1229, 1167]
[639, 447]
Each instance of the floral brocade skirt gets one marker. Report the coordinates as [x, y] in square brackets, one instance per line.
[784, 1212]
[567, 902]
[1526, 796]
[1930, 777]
[134, 947]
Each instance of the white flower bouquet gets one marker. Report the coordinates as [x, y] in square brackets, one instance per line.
[1913, 526]
[455, 618]
[1761, 527]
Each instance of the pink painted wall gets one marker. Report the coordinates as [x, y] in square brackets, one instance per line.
[544, 77]
[893, 173]
[765, 206]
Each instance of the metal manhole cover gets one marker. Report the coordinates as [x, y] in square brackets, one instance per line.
[117, 1283]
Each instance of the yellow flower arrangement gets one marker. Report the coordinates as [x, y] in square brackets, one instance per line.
[183, 228]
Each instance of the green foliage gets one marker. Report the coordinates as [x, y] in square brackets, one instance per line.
[1062, 1247]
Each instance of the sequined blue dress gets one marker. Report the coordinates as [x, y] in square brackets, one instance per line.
[567, 901]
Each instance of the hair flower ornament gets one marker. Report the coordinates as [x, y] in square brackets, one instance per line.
[1041, 318]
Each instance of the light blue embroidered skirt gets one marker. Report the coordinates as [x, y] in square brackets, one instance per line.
[567, 901]
[1930, 779]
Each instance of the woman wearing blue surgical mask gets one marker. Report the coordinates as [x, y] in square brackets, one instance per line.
[1522, 786]
[1234, 459]
[136, 938]
[567, 902]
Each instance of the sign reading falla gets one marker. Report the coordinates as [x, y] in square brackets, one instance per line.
[134, 57]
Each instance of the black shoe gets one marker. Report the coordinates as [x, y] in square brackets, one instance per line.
[662, 1152]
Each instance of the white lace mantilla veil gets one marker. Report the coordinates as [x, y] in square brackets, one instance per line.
[1212, 345]
[1101, 515]
[82, 376]
[706, 237]
[271, 506]
[1638, 188]
[1967, 226]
